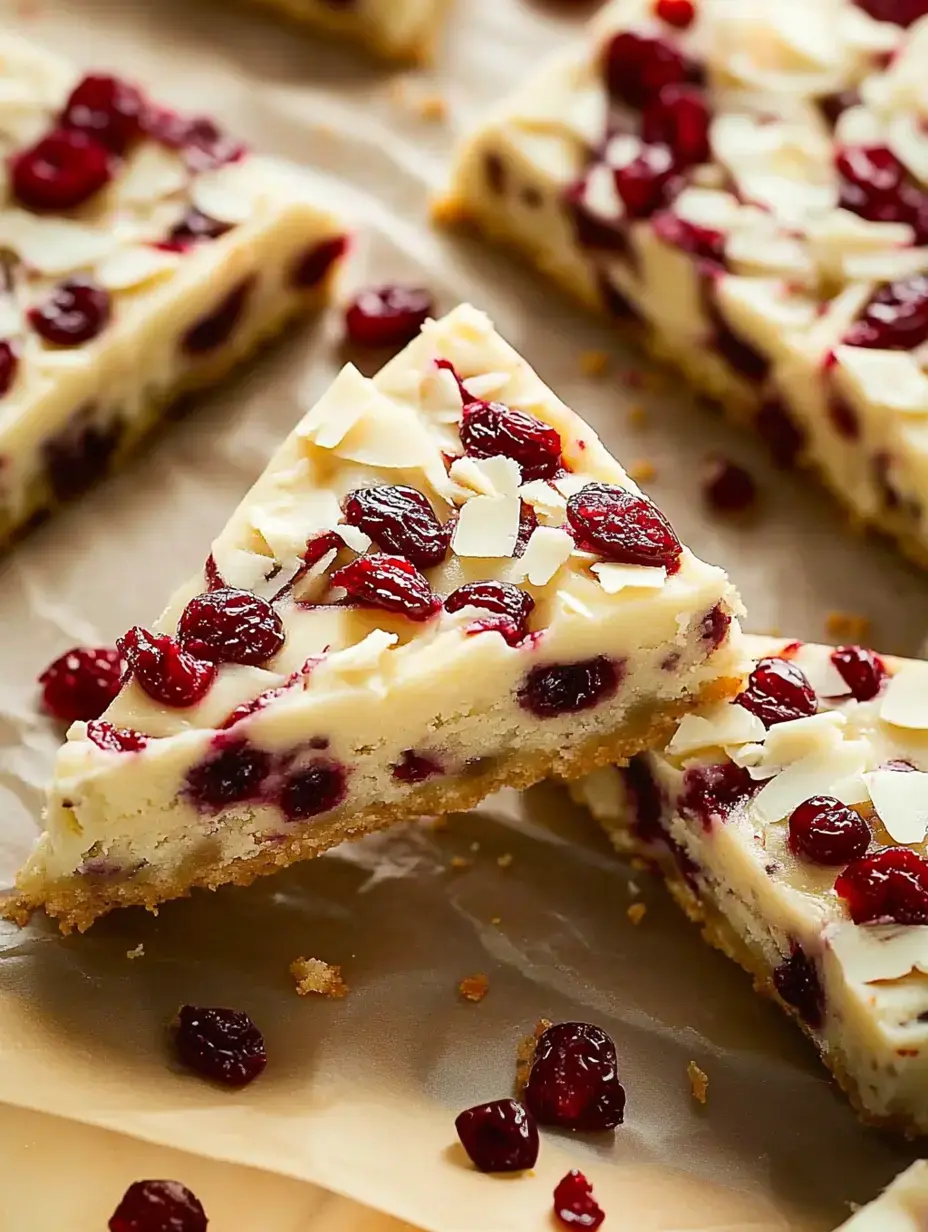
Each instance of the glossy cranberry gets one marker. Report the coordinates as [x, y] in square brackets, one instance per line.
[679, 118]
[637, 67]
[166, 672]
[158, 1206]
[825, 831]
[313, 265]
[777, 691]
[391, 583]
[60, 172]
[221, 1044]
[489, 429]
[215, 329]
[895, 319]
[82, 682]
[710, 793]
[737, 352]
[649, 182]
[623, 526]
[9, 366]
[115, 739]
[890, 885]
[400, 520]
[574, 1204]
[313, 789]
[80, 454]
[231, 626]
[72, 313]
[573, 1081]
[714, 627]
[388, 316]
[876, 185]
[511, 605]
[700, 242]
[499, 1137]
[566, 688]
[200, 140]
[779, 432]
[196, 226]
[106, 108]
[862, 671]
[415, 767]
[728, 488]
[902, 12]
[232, 775]
[798, 983]
[843, 418]
[833, 106]
[679, 13]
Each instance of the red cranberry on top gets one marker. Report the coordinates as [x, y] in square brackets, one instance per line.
[81, 683]
[106, 108]
[60, 172]
[387, 316]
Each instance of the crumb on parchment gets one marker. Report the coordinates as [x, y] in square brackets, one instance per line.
[505, 860]
[636, 912]
[312, 975]
[525, 1052]
[138, 952]
[474, 987]
[849, 627]
[699, 1082]
[637, 415]
[642, 470]
[458, 862]
[594, 363]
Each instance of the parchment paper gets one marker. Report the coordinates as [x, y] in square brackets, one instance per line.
[360, 1094]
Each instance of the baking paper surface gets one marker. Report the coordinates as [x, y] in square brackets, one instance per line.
[360, 1094]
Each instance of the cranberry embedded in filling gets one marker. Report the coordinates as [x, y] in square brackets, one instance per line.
[221, 1044]
[574, 1081]
[714, 627]
[843, 417]
[215, 329]
[415, 767]
[710, 793]
[200, 139]
[401, 521]
[895, 319]
[231, 626]
[9, 365]
[60, 172]
[890, 885]
[106, 108]
[489, 429]
[679, 118]
[195, 226]
[648, 183]
[80, 454]
[115, 739]
[567, 688]
[863, 671]
[777, 691]
[389, 582]
[81, 683]
[310, 268]
[234, 774]
[737, 352]
[876, 185]
[166, 672]
[512, 605]
[388, 316]
[779, 432]
[825, 831]
[902, 12]
[701, 242]
[637, 67]
[798, 983]
[153, 1206]
[72, 313]
[499, 1137]
[623, 526]
[574, 1204]
[313, 789]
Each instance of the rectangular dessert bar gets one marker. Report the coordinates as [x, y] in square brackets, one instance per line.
[791, 824]
[442, 584]
[901, 1207]
[397, 29]
[144, 253]
[745, 186]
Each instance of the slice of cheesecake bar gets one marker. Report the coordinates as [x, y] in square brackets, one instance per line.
[745, 186]
[901, 1207]
[442, 584]
[398, 29]
[142, 254]
[792, 824]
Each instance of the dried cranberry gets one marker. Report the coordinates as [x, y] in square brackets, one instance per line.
[231, 626]
[80, 453]
[221, 1044]
[115, 739]
[573, 1081]
[876, 185]
[566, 688]
[711, 792]
[777, 691]
[82, 682]
[313, 265]
[895, 319]
[415, 767]
[679, 118]
[780, 432]
[158, 1206]
[166, 672]
[387, 316]
[737, 352]
[623, 526]
[200, 139]
[798, 983]
[843, 417]
[489, 429]
[232, 775]
[729, 488]
[389, 582]
[862, 671]
[215, 329]
[825, 831]
[60, 172]
[400, 520]
[714, 626]
[72, 313]
[902, 12]
[195, 226]
[648, 183]
[313, 789]
[513, 605]
[574, 1204]
[638, 66]
[891, 885]
[679, 13]
[701, 242]
[9, 366]
[106, 108]
[499, 1137]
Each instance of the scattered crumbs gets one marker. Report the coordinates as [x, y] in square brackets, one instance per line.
[642, 470]
[847, 627]
[312, 975]
[459, 862]
[636, 912]
[475, 847]
[432, 106]
[525, 1052]
[634, 889]
[637, 415]
[496, 919]
[474, 987]
[594, 363]
[505, 859]
[699, 1082]
[138, 952]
